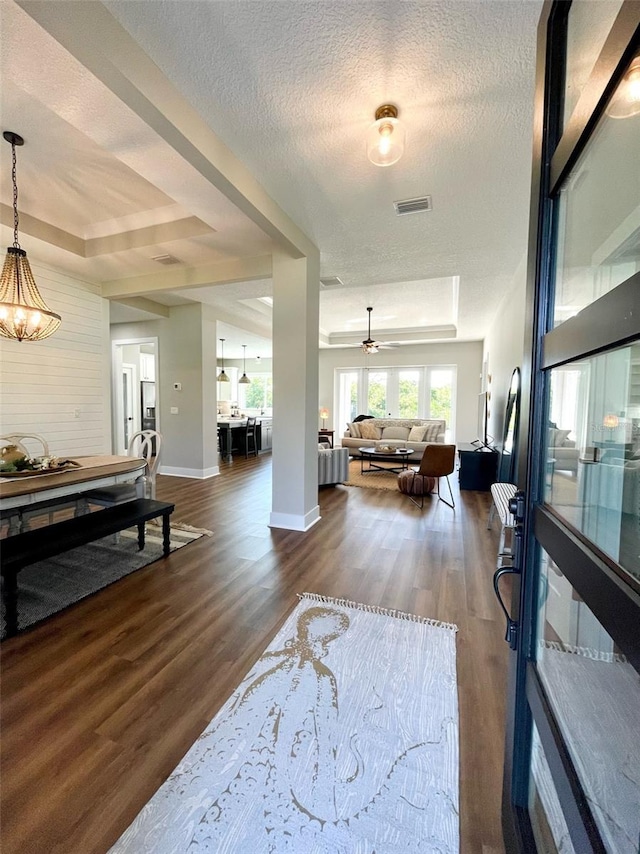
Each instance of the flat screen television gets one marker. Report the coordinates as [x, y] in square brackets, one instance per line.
[483, 440]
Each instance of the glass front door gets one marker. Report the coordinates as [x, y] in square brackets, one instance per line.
[572, 774]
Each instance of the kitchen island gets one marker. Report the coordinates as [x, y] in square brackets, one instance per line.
[227, 425]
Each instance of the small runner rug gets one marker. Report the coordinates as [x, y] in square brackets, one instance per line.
[47, 587]
[343, 739]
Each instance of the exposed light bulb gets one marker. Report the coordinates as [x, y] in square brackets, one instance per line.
[386, 137]
[626, 99]
[384, 145]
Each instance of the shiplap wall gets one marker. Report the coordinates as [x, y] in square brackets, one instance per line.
[60, 387]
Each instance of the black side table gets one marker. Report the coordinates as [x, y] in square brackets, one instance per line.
[326, 435]
[478, 468]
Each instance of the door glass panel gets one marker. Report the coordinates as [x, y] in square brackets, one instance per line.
[408, 389]
[593, 451]
[348, 400]
[595, 696]
[587, 29]
[377, 394]
[599, 217]
[440, 396]
[547, 820]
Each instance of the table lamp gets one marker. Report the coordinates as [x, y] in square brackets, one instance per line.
[324, 414]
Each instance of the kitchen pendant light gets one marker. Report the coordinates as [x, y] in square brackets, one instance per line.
[244, 379]
[24, 315]
[222, 377]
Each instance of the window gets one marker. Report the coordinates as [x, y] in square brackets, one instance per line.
[417, 392]
[408, 393]
[377, 394]
[258, 394]
[440, 393]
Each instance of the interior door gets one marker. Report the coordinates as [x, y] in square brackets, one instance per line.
[572, 767]
[128, 406]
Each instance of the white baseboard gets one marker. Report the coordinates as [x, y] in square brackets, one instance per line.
[293, 522]
[197, 474]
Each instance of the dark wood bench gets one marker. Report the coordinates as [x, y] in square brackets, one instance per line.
[29, 547]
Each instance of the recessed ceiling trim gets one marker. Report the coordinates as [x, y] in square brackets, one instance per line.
[41, 230]
[237, 270]
[152, 235]
[417, 205]
[93, 36]
[401, 336]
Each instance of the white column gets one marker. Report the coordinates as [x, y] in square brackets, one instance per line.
[296, 284]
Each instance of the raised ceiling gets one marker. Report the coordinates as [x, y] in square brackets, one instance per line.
[290, 87]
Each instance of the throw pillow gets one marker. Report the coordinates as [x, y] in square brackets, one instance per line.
[431, 433]
[416, 434]
[369, 431]
[561, 438]
[401, 433]
[354, 430]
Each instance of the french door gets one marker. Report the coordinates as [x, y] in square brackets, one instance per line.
[572, 767]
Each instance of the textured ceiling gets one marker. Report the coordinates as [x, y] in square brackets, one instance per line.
[291, 88]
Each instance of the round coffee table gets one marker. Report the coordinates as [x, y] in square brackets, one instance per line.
[399, 455]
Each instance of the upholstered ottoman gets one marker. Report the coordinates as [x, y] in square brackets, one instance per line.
[415, 484]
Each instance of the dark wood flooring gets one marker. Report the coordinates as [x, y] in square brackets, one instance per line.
[101, 702]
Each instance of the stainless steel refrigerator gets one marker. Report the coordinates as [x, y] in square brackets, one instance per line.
[148, 405]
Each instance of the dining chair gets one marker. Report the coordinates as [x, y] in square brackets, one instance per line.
[437, 461]
[25, 442]
[249, 437]
[33, 445]
[146, 444]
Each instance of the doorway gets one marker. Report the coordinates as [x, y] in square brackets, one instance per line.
[135, 392]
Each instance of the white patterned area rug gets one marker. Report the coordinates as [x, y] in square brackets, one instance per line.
[343, 739]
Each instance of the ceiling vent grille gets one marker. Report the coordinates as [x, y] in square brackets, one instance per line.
[409, 206]
[167, 260]
[331, 282]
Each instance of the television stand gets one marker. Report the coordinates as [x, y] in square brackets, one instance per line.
[478, 466]
[479, 445]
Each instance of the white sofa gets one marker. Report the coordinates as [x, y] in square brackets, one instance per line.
[562, 450]
[395, 432]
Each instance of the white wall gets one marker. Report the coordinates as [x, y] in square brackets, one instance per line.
[467, 356]
[503, 349]
[59, 387]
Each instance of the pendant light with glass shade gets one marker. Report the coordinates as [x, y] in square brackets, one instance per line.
[244, 379]
[386, 137]
[24, 315]
[625, 102]
[222, 377]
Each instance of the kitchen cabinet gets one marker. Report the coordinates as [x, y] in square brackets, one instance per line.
[266, 428]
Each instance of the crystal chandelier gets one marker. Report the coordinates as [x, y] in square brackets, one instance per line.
[24, 315]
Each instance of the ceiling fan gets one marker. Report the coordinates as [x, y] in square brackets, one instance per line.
[370, 346]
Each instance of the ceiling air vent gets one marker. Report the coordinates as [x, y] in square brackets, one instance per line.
[409, 206]
[331, 282]
[167, 260]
